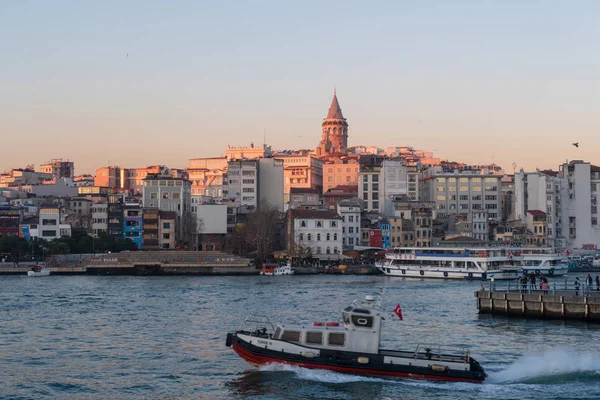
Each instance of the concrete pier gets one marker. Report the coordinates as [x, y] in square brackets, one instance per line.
[568, 304]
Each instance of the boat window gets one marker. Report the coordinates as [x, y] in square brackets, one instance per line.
[291, 336]
[364, 322]
[314, 337]
[277, 332]
[337, 339]
[346, 317]
[349, 308]
[361, 311]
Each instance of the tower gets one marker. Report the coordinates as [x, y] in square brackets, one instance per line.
[334, 136]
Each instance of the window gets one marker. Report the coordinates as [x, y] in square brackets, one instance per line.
[303, 225]
[365, 178]
[153, 195]
[375, 205]
[351, 218]
[362, 321]
[291, 336]
[328, 237]
[166, 236]
[314, 338]
[301, 238]
[351, 229]
[351, 240]
[309, 237]
[176, 196]
[335, 236]
[328, 251]
[336, 339]
[375, 178]
[319, 224]
[318, 237]
[165, 195]
[166, 225]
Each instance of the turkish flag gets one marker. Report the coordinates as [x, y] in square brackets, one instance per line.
[398, 311]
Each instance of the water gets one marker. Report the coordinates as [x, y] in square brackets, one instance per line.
[91, 337]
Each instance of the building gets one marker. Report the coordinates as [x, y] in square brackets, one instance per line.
[166, 193]
[300, 170]
[10, 218]
[341, 170]
[129, 179]
[317, 230]
[212, 226]
[248, 153]
[548, 192]
[132, 222]
[167, 229]
[305, 198]
[206, 175]
[150, 228]
[334, 131]
[19, 177]
[536, 225]
[350, 211]
[251, 182]
[59, 168]
[463, 191]
[339, 193]
[99, 218]
[579, 204]
[419, 228]
[50, 226]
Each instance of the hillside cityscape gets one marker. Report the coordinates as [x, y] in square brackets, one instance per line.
[318, 203]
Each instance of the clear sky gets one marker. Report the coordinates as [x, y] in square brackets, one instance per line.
[135, 83]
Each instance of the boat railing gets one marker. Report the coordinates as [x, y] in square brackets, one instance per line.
[441, 353]
[257, 323]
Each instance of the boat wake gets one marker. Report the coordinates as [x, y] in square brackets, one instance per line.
[319, 375]
[558, 366]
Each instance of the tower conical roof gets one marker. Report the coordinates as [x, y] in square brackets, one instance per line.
[335, 111]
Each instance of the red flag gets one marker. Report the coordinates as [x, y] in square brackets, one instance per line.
[398, 311]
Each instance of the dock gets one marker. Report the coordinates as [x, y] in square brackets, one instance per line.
[562, 301]
[141, 263]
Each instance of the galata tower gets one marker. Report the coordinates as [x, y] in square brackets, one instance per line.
[334, 136]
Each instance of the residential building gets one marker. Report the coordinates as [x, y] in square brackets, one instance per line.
[419, 229]
[99, 218]
[132, 222]
[23, 176]
[206, 175]
[115, 216]
[305, 198]
[130, 179]
[167, 229]
[536, 225]
[166, 193]
[50, 226]
[248, 153]
[251, 182]
[336, 194]
[59, 168]
[300, 170]
[10, 218]
[59, 187]
[212, 226]
[317, 230]
[463, 191]
[342, 170]
[150, 229]
[350, 211]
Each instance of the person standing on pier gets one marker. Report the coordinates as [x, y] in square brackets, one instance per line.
[589, 280]
[577, 286]
[532, 281]
[597, 282]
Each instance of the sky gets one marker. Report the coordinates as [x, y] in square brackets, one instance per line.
[136, 83]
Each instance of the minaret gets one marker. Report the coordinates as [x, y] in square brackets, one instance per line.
[334, 137]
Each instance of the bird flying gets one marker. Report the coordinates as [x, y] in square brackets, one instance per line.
[576, 144]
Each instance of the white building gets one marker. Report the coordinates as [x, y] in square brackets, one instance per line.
[319, 230]
[350, 211]
[463, 191]
[479, 224]
[250, 182]
[50, 226]
[99, 218]
[581, 190]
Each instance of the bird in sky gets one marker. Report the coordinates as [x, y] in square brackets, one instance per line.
[576, 144]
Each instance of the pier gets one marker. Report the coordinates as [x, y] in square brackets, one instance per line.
[562, 301]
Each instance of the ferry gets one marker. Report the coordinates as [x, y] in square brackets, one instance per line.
[543, 261]
[351, 346]
[452, 263]
[276, 269]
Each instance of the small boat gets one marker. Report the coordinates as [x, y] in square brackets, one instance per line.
[350, 347]
[276, 269]
[38, 270]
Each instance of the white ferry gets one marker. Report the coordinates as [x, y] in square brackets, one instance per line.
[543, 261]
[452, 263]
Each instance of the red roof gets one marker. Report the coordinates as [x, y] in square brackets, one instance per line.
[536, 212]
[304, 190]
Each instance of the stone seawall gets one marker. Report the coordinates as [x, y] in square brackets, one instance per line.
[563, 306]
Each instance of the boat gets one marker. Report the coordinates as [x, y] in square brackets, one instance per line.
[543, 261]
[38, 270]
[452, 263]
[277, 269]
[351, 346]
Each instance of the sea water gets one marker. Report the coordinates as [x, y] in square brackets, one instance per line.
[99, 337]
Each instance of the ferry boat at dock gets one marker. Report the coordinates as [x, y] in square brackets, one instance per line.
[544, 261]
[453, 263]
[351, 346]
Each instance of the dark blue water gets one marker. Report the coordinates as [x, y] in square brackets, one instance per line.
[92, 337]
